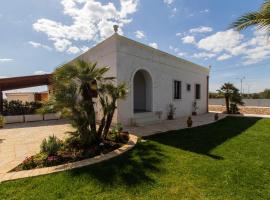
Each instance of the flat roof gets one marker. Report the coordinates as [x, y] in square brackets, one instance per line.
[24, 82]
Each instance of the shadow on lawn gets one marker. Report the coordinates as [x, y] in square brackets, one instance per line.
[131, 168]
[205, 138]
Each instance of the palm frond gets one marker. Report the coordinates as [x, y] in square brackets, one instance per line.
[249, 19]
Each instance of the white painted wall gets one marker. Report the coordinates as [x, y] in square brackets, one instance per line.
[248, 102]
[163, 68]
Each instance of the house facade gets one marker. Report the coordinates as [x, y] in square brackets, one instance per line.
[27, 96]
[155, 79]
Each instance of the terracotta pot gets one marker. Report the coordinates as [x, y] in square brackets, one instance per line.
[216, 117]
[124, 137]
[189, 122]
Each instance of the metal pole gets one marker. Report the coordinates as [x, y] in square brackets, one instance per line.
[1, 102]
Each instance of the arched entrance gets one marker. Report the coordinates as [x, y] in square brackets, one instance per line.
[142, 91]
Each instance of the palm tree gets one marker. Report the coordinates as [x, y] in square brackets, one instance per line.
[227, 90]
[232, 97]
[259, 18]
[74, 87]
[109, 94]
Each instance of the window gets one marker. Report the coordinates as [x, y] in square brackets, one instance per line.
[188, 87]
[198, 91]
[177, 90]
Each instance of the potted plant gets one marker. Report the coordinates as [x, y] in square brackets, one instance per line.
[194, 108]
[216, 116]
[171, 111]
[2, 121]
[189, 122]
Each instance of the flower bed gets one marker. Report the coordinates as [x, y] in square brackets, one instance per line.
[63, 152]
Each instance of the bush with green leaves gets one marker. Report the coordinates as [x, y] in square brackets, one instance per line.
[50, 146]
[78, 87]
[2, 121]
[16, 107]
[232, 97]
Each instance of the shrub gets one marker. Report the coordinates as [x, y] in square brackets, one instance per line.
[29, 163]
[2, 121]
[72, 142]
[19, 108]
[50, 146]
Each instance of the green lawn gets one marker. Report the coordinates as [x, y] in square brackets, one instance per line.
[229, 159]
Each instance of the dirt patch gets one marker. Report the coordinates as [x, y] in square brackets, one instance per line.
[243, 109]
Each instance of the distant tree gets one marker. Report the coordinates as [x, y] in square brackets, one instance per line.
[232, 97]
[260, 18]
[226, 91]
[265, 94]
[235, 100]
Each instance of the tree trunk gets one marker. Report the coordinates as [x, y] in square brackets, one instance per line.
[109, 120]
[227, 104]
[101, 127]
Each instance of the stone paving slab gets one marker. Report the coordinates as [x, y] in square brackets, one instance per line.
[176, 124]
[17, 141]
[48, 170]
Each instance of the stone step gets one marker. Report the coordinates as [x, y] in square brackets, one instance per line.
[147, 118]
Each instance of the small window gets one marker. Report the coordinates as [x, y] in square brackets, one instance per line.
[188, 87]
[198, 91]
[177, 89]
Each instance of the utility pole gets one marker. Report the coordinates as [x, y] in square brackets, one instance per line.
[241, 80]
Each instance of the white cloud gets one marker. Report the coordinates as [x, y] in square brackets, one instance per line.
[221, 41]
[40, 72]
[225, 44]
[181, 54]
[205, 11]
[174, 11]
[139, 34]
[91, 21]
[224, 57]
[62, 45]
[168, 2]
[188, 40]
[204, 55]
[85, 48]
[39, 45]
[73, 50]
[201, 29]
[154, 45]
[4, 60]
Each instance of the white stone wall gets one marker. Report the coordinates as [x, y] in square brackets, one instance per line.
[163, 69]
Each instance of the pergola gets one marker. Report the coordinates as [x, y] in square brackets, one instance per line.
[22, 82]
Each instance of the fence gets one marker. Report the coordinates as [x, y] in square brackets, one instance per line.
[248, 102]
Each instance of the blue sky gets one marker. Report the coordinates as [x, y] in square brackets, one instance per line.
[37, 36]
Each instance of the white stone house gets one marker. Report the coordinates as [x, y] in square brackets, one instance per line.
[155, 80]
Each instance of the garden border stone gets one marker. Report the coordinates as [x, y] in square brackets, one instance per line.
[48, 170]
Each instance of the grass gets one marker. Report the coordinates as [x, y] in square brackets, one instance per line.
[229, 159]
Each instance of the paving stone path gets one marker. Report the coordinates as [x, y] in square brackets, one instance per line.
[17, 141]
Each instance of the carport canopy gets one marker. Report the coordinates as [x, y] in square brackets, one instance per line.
[22, 82]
